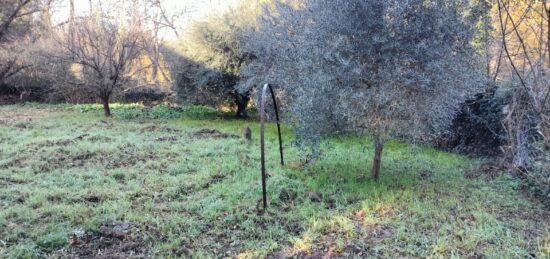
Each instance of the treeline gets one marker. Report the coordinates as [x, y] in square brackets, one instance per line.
[466, 75]
[105, 53]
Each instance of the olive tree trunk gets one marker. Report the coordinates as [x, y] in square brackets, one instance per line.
[377, 161]
[242, 102]
[106, 107]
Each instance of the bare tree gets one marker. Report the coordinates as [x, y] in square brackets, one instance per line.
[525, 40]
[12, 14]
[109, 55]
[13, 11]
[159, 21]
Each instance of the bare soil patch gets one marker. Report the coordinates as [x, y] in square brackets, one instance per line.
[212, 133]
[10, 181]
[487, 171]
[159, 128]
[122, 240]
[166, 139]
[99, 139]
[22, 115]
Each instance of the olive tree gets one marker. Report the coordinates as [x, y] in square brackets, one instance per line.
[386, 68]
[213, 56]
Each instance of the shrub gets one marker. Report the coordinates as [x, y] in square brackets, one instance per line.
[212, 55]
[538, 178]
[478, 127]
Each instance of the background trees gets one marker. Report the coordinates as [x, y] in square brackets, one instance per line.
[387, 68]
[16, 34]
[109, 54]
[51, 50]
[521, 65]
[526, 51]
[213, 56]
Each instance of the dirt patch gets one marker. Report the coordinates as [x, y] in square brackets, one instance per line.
[328, 246]
[62, 157]
[10, 181]
[51, 143]
[130, 159]
[488, 172]
[99, 138]
[61, 142]
[22, 115]
[157, 128]
[335, 244]
[92, 199]
[315, 196]
[212, 133]
[16, 162]
[185, 190]
[166, 139]
[224, 235]
[214, 179]
[122, 240]
[426, 175]
[288, 195]
[57, 142]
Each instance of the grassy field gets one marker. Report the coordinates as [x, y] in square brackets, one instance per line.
[76, 184]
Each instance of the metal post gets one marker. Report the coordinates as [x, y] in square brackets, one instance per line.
[262, 137]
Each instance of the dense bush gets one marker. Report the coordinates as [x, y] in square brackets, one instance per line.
[478, 129]
[538, 179]
[21, 33]
[145, 95]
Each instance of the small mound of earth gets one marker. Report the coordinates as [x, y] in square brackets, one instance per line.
[212, 133]
[166, 139]
[426, 175]
[99, 138]
[159, 128]
[113, 241]
[487, 171]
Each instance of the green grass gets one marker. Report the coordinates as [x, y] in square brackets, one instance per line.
[65, 172]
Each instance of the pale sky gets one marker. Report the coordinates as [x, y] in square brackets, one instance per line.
[196, 8]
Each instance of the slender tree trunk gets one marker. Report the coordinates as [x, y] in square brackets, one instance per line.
[72, 36]
[377, 161]
[242, 102]
[46, 16]
[521, 154]
[106, 108]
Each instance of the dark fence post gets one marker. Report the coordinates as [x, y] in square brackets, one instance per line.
[262, 138]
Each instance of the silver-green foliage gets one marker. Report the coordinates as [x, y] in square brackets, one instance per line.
[212, 55]
[389, 68]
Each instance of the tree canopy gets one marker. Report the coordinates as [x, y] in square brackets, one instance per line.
[388, 68]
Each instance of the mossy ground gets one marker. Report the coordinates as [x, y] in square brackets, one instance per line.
[67, 176]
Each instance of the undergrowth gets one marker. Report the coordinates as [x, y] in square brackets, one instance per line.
[161, 111]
